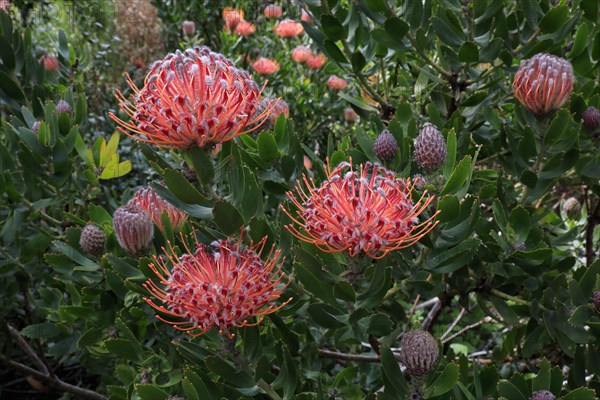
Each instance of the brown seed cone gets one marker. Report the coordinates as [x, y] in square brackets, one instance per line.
[385, 146]
[418, 352]
[430, 148]
[92, 240]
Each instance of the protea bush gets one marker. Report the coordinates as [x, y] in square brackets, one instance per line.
[300, 200]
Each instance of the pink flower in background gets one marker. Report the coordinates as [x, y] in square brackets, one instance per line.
[245, 28]
[265, 66]
[316, 61]
[336, 83]
[288, 28]
[301, 54]
[306, 17]
[50, 63]
[232, 17]
[155, 206]
[273, 11]
[188, 27]
[350, 115]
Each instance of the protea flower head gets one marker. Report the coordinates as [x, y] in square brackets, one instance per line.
[418, 352]
[232, 16]
[265, 66]
[306, 17]
[220, 286]
[542, 395]
[385, 146]
[133, 228]
[92, 240]
[188, 27]
[591, 118]
[281, 107]
[192, 98]
[63, 107]
[244, 28]
[288, 28]
[155, 206]
[50, 63]
[336, 83]
[273, 11]
[572, 207]
[350, 115]
[301, 54]
[430, 148]
[316, 61]
[543, 83]
[366, 212]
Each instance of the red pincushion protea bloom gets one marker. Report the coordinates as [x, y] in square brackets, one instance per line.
[288, 28]
[316, 61]
[306, 17]
[273, 11]
[192, 98]
[50, 63]
[149, 200]
[336, 83]
[245, 28]
[543, 83]
[232, 17]
[265, 66]
[301, 54]
[370, 212]
[219, 286]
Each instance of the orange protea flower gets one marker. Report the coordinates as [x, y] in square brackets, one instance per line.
[50, 63]
[232, 17]
[288, 28]
[265, 66]
[149, 200]
[543, 83]
[245, 28]
[219, 286]
[301, 54]
[370, 212]
[336, 83]
[192, 98]
[273, 11]
[306, 17]
[316, 61]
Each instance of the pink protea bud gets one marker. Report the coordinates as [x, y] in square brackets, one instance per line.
[265, 66]
[36, 126]
[596, 300]
[188, 27]
[92, 240]
[301, 54]
[155, 206]
[50, 63]
[316, 61]
[572, 207]
[273, 11]
[336, 83]
[430, 148]
[542, 395]
[280, 107]
[385, 146]
[418, 352]
[133, 228]
[543, 83]
[306, 17]
[232, 17]
[63, 107]
[350, 115]
[244, 28]
[288, 28]
[591, 118]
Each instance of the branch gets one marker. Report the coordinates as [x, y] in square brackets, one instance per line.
[466, 328]
[593, 219]
[348, 357]
[453, 324]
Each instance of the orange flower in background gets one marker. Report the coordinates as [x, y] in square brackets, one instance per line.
[288, 28]
[220, 286]
[280, 107]
[154, 205]
[265, 66]
[245, 28]
[543, 83]
[273, 11]
[301, 54]
[232, 17]
[370, 212]
[306, 17]
[336, 83]
[50, 63]
[316, 61]
[192, 98]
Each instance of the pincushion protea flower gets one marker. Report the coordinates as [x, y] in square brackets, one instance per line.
[316, 61]
[265, 66]
[154, 205]
[288, 28]
[370, 212]
[336, 83]
[244, 28]
[50, 63]
[301, 54]
[192, 98]
[273, 11]
[133, 228]
[543, 83]
[220, 286]
[306, 17]
[232, 17]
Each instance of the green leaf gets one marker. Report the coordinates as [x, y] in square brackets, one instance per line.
[151, 392]
[450, 260]
[468, 52]
[554, 19]
[358, 61]
[356, 102]
[182, 188]
[449, 208]
[228, 372]
[334, 52]
[391, 370]
[446, 29]
[127, 349]
[458, 178]
[80, 259]
[11, 87]
[63, 45]
[202, 165]
[380, 325]
[288, 375]
[332, 28]
[588, 280]
[45, 330]
[396, 28]
[450, 162]
[444, 382]
[558, 127]
[189, 390]
[519, 222]
[581, 394]
[316, 280]
[327, 316]
[510, 391]
[267, 146]
[542, 380]
[381, 281]
[7, 54]
[227, 217]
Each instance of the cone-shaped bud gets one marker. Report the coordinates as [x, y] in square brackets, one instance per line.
[63, 107]
[591, 118]
[418, 352]
[430, 148]
[385, 146]
[92, 239]
[134, 228]
[36, 126]
[188, 173]
[189, 28]
[596, 300]
[542, 395]
[572, 207]
[519, 246]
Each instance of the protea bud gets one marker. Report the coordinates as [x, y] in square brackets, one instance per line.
[188, 27]
[543, 83]
[430, 148]
[350, 115]
[596, 300]
[189, 173]
[418, 352]
[92, 239]
[542, 395]
[572, 207]
[134, 228]
[63, 107]
[591, 118]
[36, 126]
[385, 146]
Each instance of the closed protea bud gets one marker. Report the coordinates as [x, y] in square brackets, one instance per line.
[188, 27]
[591, 118]
[188, 173]
[418, 352]
[63, 107]
[596, 300]
[572, 207]
[350, 115]
[385, 146]
[542, 395]
[36, 126]
[134, 228]
[430, 148]
[92, 239]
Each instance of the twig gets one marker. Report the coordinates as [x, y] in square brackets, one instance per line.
[28, 350]
[348, 357]
[432, 316]
[466, 328]
[453, 324]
